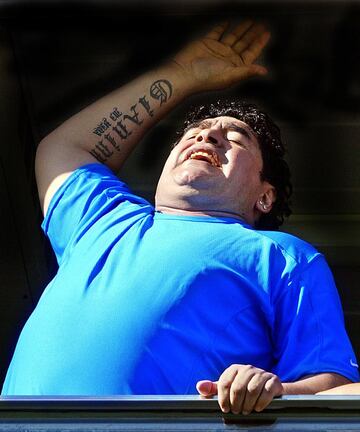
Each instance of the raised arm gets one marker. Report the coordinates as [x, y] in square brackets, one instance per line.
[109, 129]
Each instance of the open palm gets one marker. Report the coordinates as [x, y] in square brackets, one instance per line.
[223, 58]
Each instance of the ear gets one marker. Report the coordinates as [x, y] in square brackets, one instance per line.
[265, 202]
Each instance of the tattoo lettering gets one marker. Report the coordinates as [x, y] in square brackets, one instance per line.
[121, 130]
[135, 117]
[111, 140]
[104, 148]
[97, 156]
[145, 103]
[161, 90]
[101, 152]
[101, 127]
[115, 114]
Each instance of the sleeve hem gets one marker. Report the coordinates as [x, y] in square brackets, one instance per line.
[354, 377]
[60, 191]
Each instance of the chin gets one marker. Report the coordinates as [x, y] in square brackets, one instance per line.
[198, 179]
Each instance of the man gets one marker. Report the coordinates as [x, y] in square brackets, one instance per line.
[191, 294]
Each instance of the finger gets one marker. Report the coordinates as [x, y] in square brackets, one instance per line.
[207, 388]
[254, 49]
[232, 37]
[254, 389]
[217, 31]
[224, 385]
[254, 32]
[238, 390]
[239, 387]
[272, 387]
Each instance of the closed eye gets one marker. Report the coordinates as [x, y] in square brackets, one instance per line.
[191, 134]
[238, 136]
[236, 140]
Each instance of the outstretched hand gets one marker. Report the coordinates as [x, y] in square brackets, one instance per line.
[242, 388]
[222, 58]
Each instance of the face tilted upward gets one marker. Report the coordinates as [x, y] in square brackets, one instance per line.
[215, 167]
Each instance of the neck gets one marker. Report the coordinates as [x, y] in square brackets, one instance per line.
[213, 213]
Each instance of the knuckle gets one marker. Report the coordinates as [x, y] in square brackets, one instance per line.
[273, 386]
[236, 388]
[252, 389]
[225, 388]
[268, 376]
[248, 367]
[225, 384]
[257, 379]
[233, 368]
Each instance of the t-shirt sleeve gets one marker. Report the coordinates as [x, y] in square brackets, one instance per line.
[91, 192]
[309, 333]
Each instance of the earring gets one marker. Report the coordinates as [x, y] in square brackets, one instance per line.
[264, 206]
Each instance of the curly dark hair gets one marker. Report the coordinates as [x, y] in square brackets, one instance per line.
[275, 168]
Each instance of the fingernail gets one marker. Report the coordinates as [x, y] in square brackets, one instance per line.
[246, 412]
[207, 387]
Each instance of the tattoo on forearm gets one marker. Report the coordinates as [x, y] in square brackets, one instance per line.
[121, 125]
[101, 151]
[145, 103]
[101, 127]
[115, 114]
[161, 90]
[135, 117]
[112, 141]
[121, 130]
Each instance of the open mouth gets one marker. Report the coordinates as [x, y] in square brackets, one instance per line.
[204, 155]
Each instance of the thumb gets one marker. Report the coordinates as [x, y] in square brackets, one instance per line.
[254, 70]
[257, 69]
[207, 388]
[243, 72]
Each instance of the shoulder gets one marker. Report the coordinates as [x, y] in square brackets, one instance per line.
[92, 200]
[299, 250]
[96, 183]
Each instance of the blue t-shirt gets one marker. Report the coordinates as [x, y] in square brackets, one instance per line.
[150, 303]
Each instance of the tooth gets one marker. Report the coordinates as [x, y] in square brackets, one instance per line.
[212, 158]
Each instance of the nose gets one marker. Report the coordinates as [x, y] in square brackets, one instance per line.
[212, 136]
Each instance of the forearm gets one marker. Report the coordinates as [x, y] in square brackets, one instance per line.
[111, 127]
[314, 384]
[348, 389]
